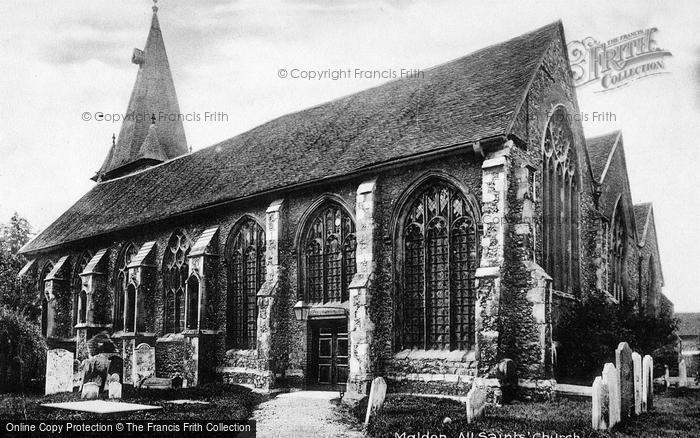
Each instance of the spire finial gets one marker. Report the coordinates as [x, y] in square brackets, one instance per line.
[155, 6]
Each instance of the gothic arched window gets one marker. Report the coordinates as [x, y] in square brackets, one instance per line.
[122, 282]
[328, 254]
[175, 272]
[617, 248]
[77, 287]
[245, 259]
[41, 286]
[560, 207]
[439, 251]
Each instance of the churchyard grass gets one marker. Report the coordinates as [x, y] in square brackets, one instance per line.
[675, 414]
[226, 402]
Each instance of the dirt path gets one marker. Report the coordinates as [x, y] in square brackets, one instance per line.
[303, 414]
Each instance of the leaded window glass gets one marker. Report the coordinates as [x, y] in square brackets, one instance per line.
[175, 272]
[122, 283]
[245, 259]
[77, 287]
[41, 285]
[439, 263]
[560, 213]
[617, 255]
[329, 255]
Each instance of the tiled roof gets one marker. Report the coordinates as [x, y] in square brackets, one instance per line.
[599, 149]
[641, 216]
[689, 324]
[459, 102]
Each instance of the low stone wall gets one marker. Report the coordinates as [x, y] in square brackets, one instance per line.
[431, 372]
[242, 368]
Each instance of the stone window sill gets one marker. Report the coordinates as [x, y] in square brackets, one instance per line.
[567, 295]
[450, 356]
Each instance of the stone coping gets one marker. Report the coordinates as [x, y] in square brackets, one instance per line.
[451, 356]
[101, 406]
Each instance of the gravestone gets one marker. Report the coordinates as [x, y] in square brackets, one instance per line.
[647, 383]
[59, 371]
[682, 374]
[637, 371]
[508, 379]
[598, 401]
[144, 363]
[377, 394]
[115, 390]
[91, 391]
[625, 370]
[667, 377]
[612, 381]
[476, 401]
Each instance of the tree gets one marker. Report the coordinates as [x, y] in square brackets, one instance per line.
[13, 293]
[592, 330]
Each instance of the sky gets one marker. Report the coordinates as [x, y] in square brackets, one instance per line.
[66, 58]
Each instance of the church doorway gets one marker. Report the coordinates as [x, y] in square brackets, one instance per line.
[328, 357]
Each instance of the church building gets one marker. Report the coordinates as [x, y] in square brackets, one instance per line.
[421, 230]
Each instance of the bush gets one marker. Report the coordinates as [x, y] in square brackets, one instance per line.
[22, 352]
[591, 332]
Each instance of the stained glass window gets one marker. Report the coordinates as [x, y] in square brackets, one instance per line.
[439, 262]
[245, 259]
[560, 240]
[329, 255]
[175, 272]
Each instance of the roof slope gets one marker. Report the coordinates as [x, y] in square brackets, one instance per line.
[599, 150]
[462, 101]
[641, 215]
[689, 324]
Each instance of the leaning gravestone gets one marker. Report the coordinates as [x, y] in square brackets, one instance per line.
[612, 381]
[682, 374]
[625, 369]
[598, 399]
[144, 363]
[637, 371]
[647, 383]
[115, 390]
[476, 401]
[377, 394]
[91, 391]
[59, 371]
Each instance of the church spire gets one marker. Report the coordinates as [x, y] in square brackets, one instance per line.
[153, 123]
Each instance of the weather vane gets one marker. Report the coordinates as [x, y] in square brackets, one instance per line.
[155, 5]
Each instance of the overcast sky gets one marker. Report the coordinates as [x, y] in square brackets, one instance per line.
[61, 59]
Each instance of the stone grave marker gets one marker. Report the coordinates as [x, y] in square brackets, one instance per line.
[377, 394]
[612, 382]
[144, 363]
[667, 377]
[598, 421]
[625, 370]
[115, 390]
[682, 374]
[637, 371]
[476, 401]
[91, 391]
[59, 371]
[647, 383]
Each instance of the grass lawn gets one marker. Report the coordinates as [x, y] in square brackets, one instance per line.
[675, 414]
[226, 402]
